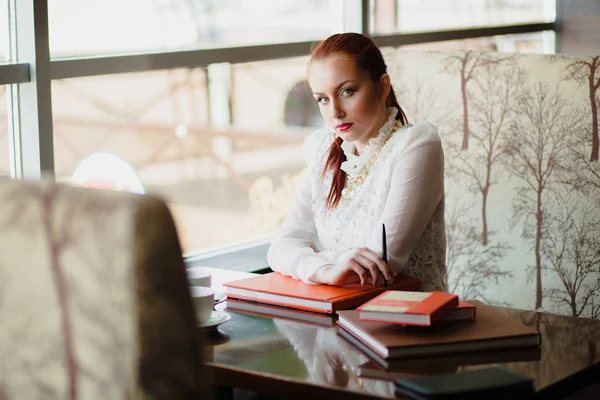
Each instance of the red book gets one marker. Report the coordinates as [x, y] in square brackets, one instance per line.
[275, 288]
[408, 308]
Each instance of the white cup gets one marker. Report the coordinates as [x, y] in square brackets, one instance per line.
[203, 298]
[198, 276]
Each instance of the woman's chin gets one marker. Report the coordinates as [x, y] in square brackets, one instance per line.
[347, 136]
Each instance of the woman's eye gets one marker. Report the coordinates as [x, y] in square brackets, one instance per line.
[347, 92]
[322, 100]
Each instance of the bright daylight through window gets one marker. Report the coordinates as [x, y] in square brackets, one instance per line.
[404, 16]
[4, 142]
[151, 130]
[164, 25]
[4, 37]
[4, 56]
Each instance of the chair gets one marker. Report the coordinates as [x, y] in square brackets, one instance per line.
[94, 300]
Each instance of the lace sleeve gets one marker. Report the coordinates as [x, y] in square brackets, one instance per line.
[416, 190]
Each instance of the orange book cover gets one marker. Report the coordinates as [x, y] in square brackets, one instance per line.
[275, 288]
[408, 308]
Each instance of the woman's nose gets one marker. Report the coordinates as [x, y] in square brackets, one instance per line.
[336, 111]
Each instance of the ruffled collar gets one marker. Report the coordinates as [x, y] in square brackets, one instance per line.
[354, 164]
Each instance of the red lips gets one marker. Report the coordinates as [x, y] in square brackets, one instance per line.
[344, 127]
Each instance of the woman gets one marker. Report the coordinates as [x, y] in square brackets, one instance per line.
[367, 168]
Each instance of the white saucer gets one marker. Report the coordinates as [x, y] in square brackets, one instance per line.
[216, 319]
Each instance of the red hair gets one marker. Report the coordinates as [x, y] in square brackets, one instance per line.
[367, 56]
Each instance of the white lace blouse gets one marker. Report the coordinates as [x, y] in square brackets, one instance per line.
[404, 190]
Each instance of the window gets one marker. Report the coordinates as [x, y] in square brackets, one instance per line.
[114, 26]
[269, 152]
[4, 132]
[222, 183]
[151, 123]
[4, 37]
[393, 16]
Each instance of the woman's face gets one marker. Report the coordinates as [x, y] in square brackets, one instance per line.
[352, 105]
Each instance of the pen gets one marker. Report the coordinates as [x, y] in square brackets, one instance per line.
[384, 251]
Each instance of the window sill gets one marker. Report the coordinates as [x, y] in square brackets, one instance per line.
[247, 257]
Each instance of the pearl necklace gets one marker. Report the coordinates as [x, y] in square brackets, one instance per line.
[354, 182]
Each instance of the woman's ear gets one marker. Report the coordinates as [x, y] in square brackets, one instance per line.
[386, 85]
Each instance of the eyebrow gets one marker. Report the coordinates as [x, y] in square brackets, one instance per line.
[336, 88]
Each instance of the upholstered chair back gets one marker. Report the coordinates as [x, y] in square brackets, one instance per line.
[94, 300]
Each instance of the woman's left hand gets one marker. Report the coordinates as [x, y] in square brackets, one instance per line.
[362, 265]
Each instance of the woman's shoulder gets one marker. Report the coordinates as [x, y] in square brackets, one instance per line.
[423, 130]
[316, 144]
[415, 135]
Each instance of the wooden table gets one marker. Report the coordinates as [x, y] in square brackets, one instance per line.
[296, 359]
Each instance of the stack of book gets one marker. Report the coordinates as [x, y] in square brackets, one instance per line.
[415, 308]
[397, 325]
[284, 291]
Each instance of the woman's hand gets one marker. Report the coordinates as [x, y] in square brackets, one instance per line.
[362, 265]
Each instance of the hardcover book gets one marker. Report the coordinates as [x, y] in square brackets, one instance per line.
[491, 330]
[271, 311]
[275, 288]
[408, 308]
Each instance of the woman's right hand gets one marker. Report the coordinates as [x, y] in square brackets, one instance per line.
[362, 265]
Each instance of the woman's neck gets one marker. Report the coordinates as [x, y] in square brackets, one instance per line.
[359, 145]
